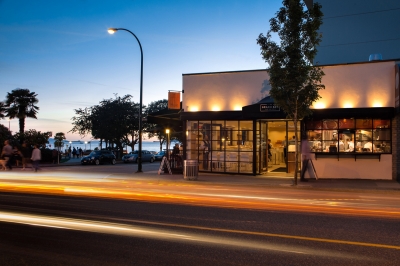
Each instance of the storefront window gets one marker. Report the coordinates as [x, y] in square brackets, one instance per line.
[221, 146]
[346, 123]
[350, 135]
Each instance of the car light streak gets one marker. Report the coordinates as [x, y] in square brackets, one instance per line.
[190, 196]
[168, 235]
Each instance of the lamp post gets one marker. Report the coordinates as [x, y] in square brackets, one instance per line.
[85, 145]
[112, 31]
[167, 132]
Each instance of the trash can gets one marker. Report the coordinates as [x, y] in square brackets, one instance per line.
[190, 169]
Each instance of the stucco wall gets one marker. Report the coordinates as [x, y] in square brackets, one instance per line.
[348, 168]
[358, 85]
[222, 91]
[346, 86]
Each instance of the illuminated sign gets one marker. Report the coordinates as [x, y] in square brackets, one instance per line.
[269, 107]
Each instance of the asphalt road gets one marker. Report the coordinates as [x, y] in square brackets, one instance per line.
[99, 215]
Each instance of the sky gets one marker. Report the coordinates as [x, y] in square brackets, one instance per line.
[62, 51]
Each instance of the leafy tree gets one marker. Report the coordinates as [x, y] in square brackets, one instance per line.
[153, 129]
[5, 134]
[294, 80]
[34, 137]
[82, 122]
[112, 120]
[21, 103]
[58, 140]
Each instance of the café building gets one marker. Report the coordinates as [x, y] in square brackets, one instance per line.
[232, 125]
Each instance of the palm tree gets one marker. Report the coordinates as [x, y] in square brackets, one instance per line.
[20, 103]
[58, 140]
[2, 110]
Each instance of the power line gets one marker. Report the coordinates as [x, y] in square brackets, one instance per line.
[364, 13]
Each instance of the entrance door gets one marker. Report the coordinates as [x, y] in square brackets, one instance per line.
[277, 146]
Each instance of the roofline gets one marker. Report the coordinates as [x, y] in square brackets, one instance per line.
[242, 71]
[221, 72]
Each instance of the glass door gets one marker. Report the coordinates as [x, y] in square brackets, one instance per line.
[272, 147]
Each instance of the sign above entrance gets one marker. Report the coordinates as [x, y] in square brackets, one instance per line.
[269, 107]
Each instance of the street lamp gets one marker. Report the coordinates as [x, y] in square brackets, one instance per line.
[112, 31]
[167, 131]
[85, 145]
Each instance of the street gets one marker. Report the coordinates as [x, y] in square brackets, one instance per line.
[107, 215]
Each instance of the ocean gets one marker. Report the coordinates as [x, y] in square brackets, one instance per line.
[91, 145]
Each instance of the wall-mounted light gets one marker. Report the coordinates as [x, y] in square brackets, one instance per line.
[319, 105]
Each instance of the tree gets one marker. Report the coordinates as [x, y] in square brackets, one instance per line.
[58, 140]
[294, 80]
[33, 137]
[113, 121]
[2, 110]
[20, 103]
[5, 134]
[153, 129]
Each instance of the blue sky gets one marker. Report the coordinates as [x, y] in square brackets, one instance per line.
[61, 49]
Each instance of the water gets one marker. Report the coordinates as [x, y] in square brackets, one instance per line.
[91, 145]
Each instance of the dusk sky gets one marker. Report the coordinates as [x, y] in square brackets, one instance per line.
[61, 49]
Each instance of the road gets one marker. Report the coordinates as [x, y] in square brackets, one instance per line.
[96, 215]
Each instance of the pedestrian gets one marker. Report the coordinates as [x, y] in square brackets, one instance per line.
[306, 156]
[7, 155]
[36, 157]
[25, 155]
[17, 155]
[73, 152]
[80, 153]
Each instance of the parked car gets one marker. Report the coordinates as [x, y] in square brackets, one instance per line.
[153, 152]
[159, 155]
[99, 157]
[133, 157]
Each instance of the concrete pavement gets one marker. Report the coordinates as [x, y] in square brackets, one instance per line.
[262, 181]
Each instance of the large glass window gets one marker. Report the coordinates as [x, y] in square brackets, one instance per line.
[221, 146]
[349, 135]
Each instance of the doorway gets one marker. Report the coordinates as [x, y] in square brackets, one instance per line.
[276, 154]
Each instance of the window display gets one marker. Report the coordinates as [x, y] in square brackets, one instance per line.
[349, 135]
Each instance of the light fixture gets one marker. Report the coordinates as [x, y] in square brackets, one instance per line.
[112, 31]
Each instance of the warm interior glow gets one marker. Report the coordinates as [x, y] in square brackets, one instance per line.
[194, 108]
[237, 108]
[111, 30]
[215, 108]
[376, 104]
[187, 133]
[347, 105]
[167, 131]
[319, 105]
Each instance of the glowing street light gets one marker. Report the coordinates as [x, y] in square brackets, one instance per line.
[112, 31]
[167, 132]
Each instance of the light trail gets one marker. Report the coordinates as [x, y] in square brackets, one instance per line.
[193, 196]
[194, 238]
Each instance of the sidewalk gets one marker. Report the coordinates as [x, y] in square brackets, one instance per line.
[262, 181]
